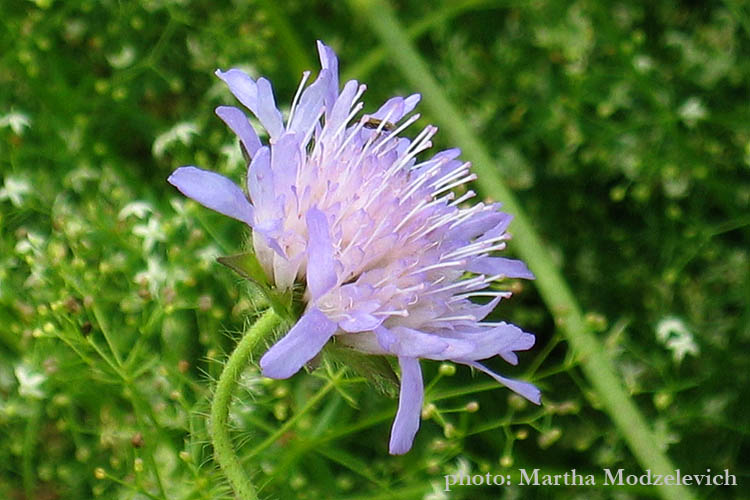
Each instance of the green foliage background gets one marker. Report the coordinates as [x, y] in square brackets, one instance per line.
[623, 127]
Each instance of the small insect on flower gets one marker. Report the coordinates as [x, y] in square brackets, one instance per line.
[390, 259]
[374, 123]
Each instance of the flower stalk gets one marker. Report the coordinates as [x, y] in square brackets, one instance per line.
[224, 452]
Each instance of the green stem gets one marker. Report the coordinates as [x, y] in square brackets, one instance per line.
[560, 300]
[218, 427]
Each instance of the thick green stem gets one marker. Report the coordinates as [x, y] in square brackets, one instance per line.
[554, 290]
[219, 429]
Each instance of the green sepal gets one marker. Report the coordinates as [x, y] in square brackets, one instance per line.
[375, 368]
[248, 266]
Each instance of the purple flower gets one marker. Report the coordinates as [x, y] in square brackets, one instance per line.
[389, 256]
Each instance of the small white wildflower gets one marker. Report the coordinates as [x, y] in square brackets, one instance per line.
[138, 208]
[181, 217]
[438, 492]
[151, 232]
[692, 111]
[182, 132]
[16, 121]
[155, 275]
[14, 189]
[643, 63]
[23, 247]
[670, 326]
[29, 382]
[680, 346]
[33, 242]
[676, 337]
[79, 177]
[463, 468]
[122, 59]
[208, 255]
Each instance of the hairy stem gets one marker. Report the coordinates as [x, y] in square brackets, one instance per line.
[555, 292]
[223, 450]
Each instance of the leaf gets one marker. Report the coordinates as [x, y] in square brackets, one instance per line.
[247, 266]
[375, 368]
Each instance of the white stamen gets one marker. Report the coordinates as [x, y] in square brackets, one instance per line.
[472, 247]
[478, 280]
[467, 195]
[439, 265]
[401, 312]
[305, 76]
[487, 293]
[413, 211]
[463, 180]
[467, 214]
[355, 109]
[448, 177]
[454, 318]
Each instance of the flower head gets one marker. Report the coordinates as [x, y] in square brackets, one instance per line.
[389, 256]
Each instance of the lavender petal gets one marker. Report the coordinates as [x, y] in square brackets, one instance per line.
[260, 180]
[299, 346]
[213, 191]
[502, 339]
[242, 87]
[406, 424]
[329, 61]
[525, 389]
[310, 104]
[321, 265]
[510, 268]
[240, 125]
[285, 162]
[267, 112]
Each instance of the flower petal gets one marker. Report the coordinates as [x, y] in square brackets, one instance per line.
[411, 102]
[525, 389]
[329, 61]
[255, 96]
[405, 342]
[285, 162]
[406, 424]
[340, 109]
[213, 191]
[299, 346]
[482, 223]
[260, 182]
[510, 268]
[502, 339]
[267, 112]
[396, 108]
[240, 125]
[481, 312]
[242, 87]
[321, 265]
[359, 321]
[310, 105]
